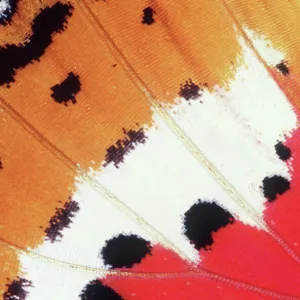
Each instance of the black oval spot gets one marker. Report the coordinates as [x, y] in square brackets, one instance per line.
[17, 289]
[283, 151]
[148, 16]
[1, 165]
[7, 9]
[66, 90]
[275, 185]
[201, 220]
[283, 68]
[125, 251]
[189, 90]
[95, 290]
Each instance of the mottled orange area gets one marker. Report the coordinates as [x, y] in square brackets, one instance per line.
[9, 264]
[108, 100]
[189, 39]
[278, 22]
[33, 183]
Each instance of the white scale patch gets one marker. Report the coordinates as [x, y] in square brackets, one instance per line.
[160, 180]
[5, 8]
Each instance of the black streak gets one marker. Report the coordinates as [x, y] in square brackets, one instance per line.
[201, 220]
[148, 16]
[189, 90]
[96, 290]
[62, 219]
[66, 90]
[49, 20]
[275, 185]
[283, 68]
[7, 14]
[283, 151]
[16, 290]
[117, 152]
[125, 251]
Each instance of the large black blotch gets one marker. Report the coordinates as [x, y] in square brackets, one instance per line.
[189, 90]
[48, 21]
[96, 290]
[117, 152]
[125, 251]
[7, 9]
[201, 220]
[66, 90]
[16, 290]
[275, 185]
[62, 219]
[148, 16]
[283, 68]
[283, 151]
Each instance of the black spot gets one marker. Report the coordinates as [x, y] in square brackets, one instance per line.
[201, 220]
[96, 290]
[189, 90]
[283, 68]
[16, 290]
[66, 90]
[283, 151]
[62, 219]
[114, 65]
[1, 165]
[48, 21]
[7, 14]
[148, 16]
[125, 251]
[275, 185]
[117, 152]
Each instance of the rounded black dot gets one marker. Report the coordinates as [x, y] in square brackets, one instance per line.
[283, 151]
[95, 290]
[201, 220]
[275, 185]
[148, 14]
[125, 251]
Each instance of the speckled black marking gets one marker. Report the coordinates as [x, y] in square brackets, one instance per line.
[201, 220]
[48, 21]
[116, 153]
[16, 290]
[275, 185]
[62, 219]
[283, 151]
[125, 251]
[283, 68]
[96, 290]
[66, 91]
[148, 16]
[6, 15]
[189, 90]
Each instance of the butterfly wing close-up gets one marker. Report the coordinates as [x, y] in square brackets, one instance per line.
[149, 150]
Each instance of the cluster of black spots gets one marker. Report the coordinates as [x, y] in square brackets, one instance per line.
[66, 90]
[148, 14]
[283, 151]
[7, 14]
[16, 290]
[283, 68]
[61, 219]
[275, 185]
[201, 220]
[48, 21]
[117, 152]
[125, 251]
[96, 290]
[189, 90]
